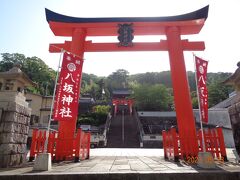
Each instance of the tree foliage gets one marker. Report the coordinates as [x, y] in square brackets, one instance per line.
[101, 109]
[34, 68]
[152, 78]
[217, 93]
[94, 86]
[96, 118]
[152, 97]
[8, 60]
[118, 80]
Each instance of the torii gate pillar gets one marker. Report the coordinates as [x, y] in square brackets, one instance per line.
[68, 128]
[183, 105]
[77, 48]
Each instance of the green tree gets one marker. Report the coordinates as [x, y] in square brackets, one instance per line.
[39, 72]
[194, 99]
[8, 60]
[89, 78]
[101, 109]
[152, 78]
[217, 92]
[152, 98]
[97, 117]
[118, 80]
[34, 68]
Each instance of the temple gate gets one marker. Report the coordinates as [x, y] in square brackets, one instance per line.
[126, 28]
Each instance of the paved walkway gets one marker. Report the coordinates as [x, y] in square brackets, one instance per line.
[125, 161]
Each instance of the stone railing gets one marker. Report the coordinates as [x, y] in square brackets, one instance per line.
[106, 128]
[140, 129]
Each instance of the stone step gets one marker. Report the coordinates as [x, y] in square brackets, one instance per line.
[131, 138]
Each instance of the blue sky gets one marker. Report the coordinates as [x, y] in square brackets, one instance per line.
[24, 30]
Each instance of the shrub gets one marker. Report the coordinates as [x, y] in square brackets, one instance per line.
[96, 118]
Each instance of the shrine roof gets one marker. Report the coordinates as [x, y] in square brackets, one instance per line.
[122, 92]
[56, 17]
[190, 23]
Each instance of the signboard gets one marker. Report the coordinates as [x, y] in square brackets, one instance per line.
[125, 37]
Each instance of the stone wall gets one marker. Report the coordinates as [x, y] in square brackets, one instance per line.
[234, 112]
[14, 127]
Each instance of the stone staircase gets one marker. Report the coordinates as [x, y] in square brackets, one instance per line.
[131, 135]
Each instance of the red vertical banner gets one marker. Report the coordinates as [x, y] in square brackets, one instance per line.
[67, 92]
[201, 78]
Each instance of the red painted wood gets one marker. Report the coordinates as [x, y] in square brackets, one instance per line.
[138, 46]
[67, 128]
[140, 28]
[117, 102]
[183, 104]
[33, 144]
[221, 143]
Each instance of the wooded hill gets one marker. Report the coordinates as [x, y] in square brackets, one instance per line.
[152, 90]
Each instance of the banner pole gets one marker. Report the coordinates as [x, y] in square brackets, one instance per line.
[54, 92]
[200, 115]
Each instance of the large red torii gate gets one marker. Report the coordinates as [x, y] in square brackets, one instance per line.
[173, 27]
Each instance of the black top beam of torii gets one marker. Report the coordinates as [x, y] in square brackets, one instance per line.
[199, 14]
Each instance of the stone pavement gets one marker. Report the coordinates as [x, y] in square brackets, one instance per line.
[127, 164]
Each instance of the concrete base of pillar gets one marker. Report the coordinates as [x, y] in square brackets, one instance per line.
[43, 162]
[205, 160]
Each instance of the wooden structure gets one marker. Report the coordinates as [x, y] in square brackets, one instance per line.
[213, 139]
[80, 143]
